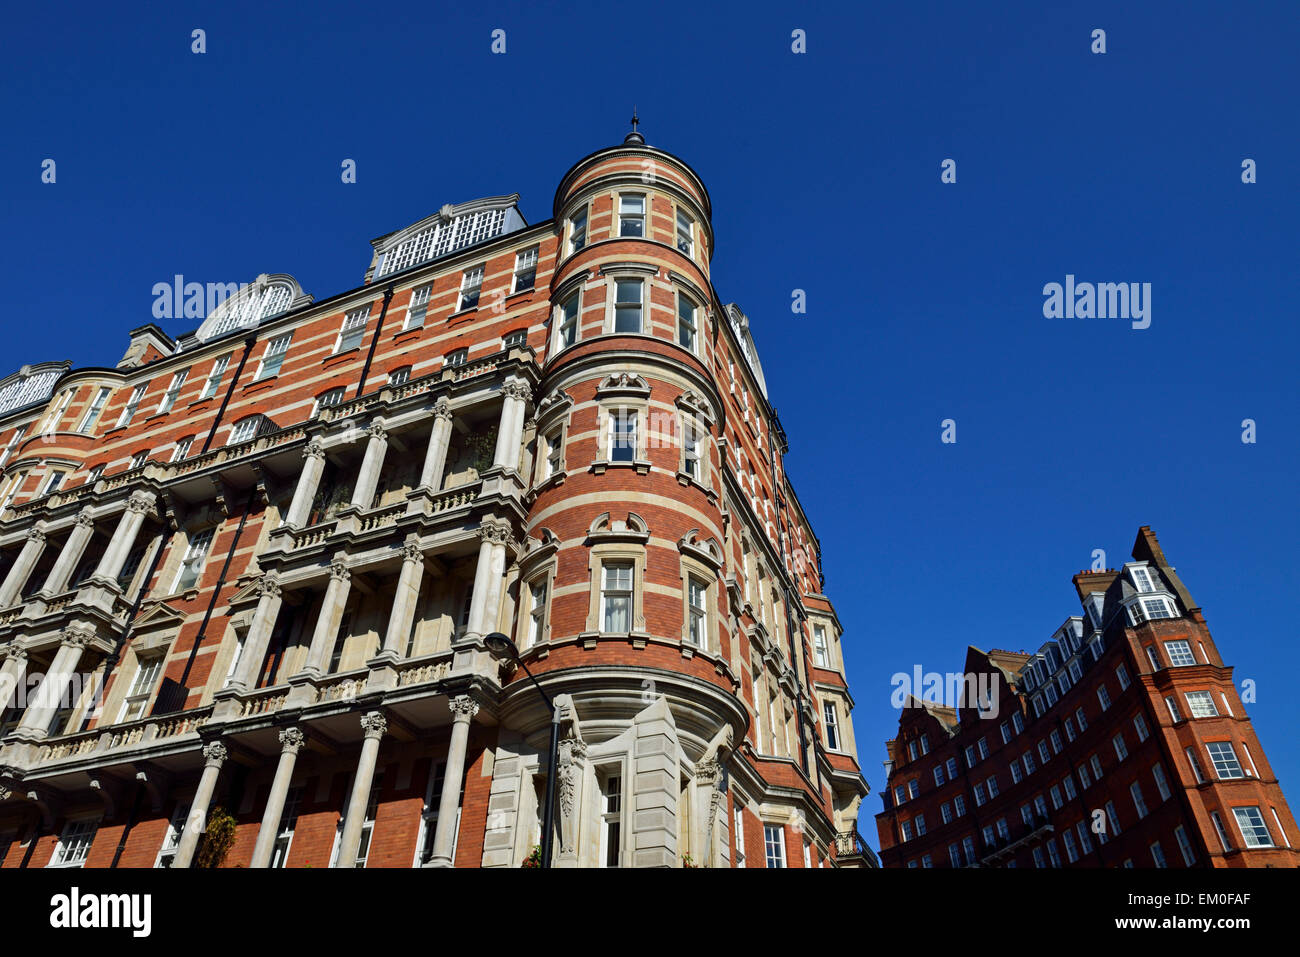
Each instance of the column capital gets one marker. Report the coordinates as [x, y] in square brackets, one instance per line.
[76, 636]
[377, 430]
[708, 773]
[14, 652]
[517, 390]
[374, 725]
[442, 409]
[139, 502]
[412, 552]
[463, 708]
[85, 519]
[35, 534]
[215, 753]
[313, 450]
[498, 533]
[268, 585]
[339, 571]
[292, 740]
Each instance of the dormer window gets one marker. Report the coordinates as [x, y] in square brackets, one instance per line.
[1151, 609]
[1142, 578]
[631, 215]
[245, 430]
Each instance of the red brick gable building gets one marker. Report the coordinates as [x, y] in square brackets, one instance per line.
[1122, 742]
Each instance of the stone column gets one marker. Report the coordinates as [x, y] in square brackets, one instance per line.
[374, 725]
[22, 567]
[214, 754]
[488, 574]
[405, 599]
[291, 742]
[371, 465]
[11, 674]
[435, 459]
[119, 547]
[304, 493]
[331, 616]
[259, 634]
[510, 431]
[56, 582]
[36, 719]
[463, 709]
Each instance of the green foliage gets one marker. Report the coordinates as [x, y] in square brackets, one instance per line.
[217, 840]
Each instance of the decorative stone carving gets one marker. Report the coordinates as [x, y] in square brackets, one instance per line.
[215, 753]
[11, 651]
[463, 708]
[268, 586]
[313, 450]
[76, 637]
[517, 390]
[376, 430]
[85, 519]
[36, 535]
[292, 740]
[138, 502]
[412, 552]
[339, 572]
[498, 533]
[442, 409]
[374, 724]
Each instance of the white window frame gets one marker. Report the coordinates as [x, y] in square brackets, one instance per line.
[526, 261]
[132, 405]
[628, 216]
[774, 845]
[471, 289]
[608, 591]
[147, 673]
[196, 554]
[75, 843]
[182, 449]
[352, 332]
[831, 714]
[566, 327]
[628, 306]
[92, 413]
[215, 375]
[273, 357]
[173, 390]
[417, 310]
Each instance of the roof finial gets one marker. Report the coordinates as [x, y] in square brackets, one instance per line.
[634, 137]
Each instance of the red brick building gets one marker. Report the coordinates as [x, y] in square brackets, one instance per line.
[253, 566]
[1122, 742]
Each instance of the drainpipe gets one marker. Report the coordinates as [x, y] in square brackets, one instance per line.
[374, 340]
[248, 347]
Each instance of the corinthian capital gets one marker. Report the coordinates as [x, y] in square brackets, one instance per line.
[339, 572]
[292, 740]
[374, 724]
[34, 534]
[517, 390]
[85, 519]
[76, 637]
[268, 586]
[376, 430]
[498, 533]
[138, 502]
[463, 708]
[215, 753]
[442, 409]
[313, 450]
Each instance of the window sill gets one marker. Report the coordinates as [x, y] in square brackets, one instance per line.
[198, 402]
[355, 350]
[554, 480]
[686, 479]
[407, 332]
[642, 467]
[462, 313]
[259, 382]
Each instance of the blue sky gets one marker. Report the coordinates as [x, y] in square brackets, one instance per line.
[924, 299]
